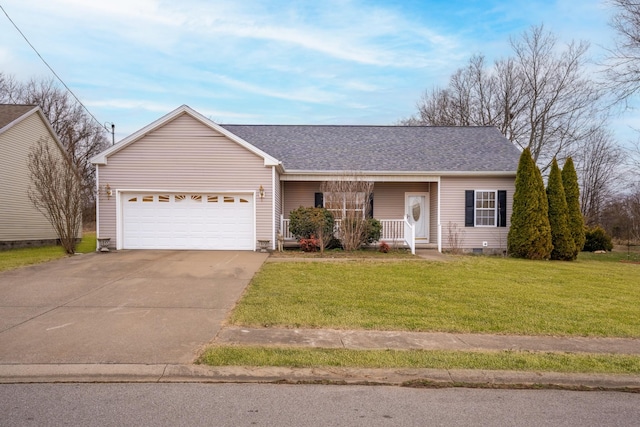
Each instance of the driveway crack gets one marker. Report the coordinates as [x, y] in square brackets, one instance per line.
[164, 372]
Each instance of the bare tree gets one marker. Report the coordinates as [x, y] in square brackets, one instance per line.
[623, 62]
[348, 200]
[540, 98]
[598, 160]
[56, 191]
[81, 136]
[621, 217]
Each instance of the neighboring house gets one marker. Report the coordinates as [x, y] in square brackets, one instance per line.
[185, 182]
[21, 224]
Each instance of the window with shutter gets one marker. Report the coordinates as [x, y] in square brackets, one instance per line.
[485, 208]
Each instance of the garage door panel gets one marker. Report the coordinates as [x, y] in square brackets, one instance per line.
[188, 221]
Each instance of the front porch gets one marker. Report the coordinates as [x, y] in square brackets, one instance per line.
[395, 232]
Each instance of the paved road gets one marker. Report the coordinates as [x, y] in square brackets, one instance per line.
[307, 405]
[121, 307]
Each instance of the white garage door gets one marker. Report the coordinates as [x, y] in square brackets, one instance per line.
[187, 221]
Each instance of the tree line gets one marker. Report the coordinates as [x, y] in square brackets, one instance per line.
[81, 136]
[545, 97]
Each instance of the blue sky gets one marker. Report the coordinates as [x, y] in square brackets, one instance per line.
[273, 62]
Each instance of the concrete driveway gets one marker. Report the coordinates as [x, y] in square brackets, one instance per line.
[122, 307]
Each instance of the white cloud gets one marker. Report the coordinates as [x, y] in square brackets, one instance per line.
[131, 104]
[305, 93]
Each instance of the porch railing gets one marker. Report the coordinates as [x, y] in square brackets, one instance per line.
[393, 230]
[410, 235]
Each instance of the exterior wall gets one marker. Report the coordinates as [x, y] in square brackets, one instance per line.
[19, 219]
[388, 197]
[185, 155]
[453, 212]
[298, 194]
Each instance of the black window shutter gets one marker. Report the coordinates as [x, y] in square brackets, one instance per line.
[319, 200]
[502, 208]
[370, 210]
[469, 196]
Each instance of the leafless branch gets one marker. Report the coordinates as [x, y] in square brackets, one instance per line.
[56, 191]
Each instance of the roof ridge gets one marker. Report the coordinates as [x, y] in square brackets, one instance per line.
[356, 126]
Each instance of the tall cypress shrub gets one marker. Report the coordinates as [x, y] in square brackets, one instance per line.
[530, 232]
[564, 248]
[572, 194]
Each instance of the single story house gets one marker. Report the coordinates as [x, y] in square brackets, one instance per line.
[185, 182]
[21, 224]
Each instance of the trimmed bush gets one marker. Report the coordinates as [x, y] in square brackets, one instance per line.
[564, 247]
[312, 223]
[572, 194]
[596, 239]
[374, 231]
[530, 233]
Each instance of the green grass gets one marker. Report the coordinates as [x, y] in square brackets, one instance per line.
[469, 295]
[502, 360]
[621, 254]
[15, 258]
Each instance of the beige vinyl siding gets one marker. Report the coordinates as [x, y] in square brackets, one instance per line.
[452, 197]
[185, 155]
[19, 219]
[388, 199]
[298, 194]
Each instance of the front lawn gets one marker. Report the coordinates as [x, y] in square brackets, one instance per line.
[467, 295]
[15, 258]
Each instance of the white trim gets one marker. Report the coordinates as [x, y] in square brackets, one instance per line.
[101, 158]
[97, 207]
[45, 121]
[273, 208]
[386, 176]
[23, 117]
[439, 219]
[119, 208]
[119, 228]
[427, 212]
[495, 209]
[255, 220]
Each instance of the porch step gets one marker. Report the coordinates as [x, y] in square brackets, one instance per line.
[427, 246]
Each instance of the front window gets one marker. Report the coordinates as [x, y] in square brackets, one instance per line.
[486, 210]
[343, 205]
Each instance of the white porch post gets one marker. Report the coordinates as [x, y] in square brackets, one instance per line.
[439, 222]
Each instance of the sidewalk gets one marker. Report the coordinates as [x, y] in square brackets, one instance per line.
[168, 373]
[369, 340]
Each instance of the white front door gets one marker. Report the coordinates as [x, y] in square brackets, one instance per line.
[417, 211]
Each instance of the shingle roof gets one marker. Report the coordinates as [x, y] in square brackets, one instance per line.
[10, 112]
[383, 148]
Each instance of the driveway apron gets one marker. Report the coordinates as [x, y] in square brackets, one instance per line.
[120, 307]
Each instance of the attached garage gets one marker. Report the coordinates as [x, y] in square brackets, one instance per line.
[224, 221]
